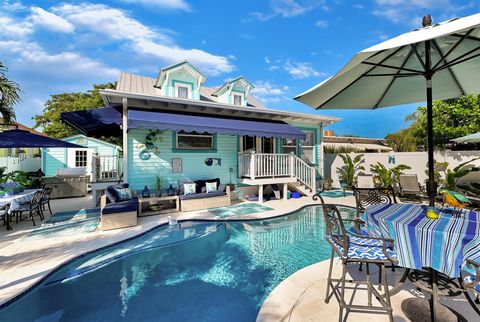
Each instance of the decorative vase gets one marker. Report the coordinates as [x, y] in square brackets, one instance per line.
[171, 190]
[145, 192]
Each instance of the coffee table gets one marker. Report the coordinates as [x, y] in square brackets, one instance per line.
[148, 206]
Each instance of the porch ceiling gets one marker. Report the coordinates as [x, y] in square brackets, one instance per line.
[114, 97]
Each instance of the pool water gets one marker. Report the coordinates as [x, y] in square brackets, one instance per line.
[195, 271]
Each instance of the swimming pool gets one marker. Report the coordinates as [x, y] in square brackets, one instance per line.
[195, 271]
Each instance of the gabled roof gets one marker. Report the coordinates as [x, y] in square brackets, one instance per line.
[72, 137]
[20, 126]
[231, 82]
[191, 68]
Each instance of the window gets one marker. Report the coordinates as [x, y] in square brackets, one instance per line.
[249, 143]
[182, 92]
[81, 159]
[237, 99]
[289, 145]
[308, 147]
[268, 145]
[194, 141]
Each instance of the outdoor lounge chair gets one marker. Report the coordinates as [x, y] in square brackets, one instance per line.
[409, 186]
[357, 249]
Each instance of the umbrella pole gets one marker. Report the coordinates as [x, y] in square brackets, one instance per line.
[431, 185]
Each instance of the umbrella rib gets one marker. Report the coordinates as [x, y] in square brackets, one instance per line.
[393, 67]
[443, 58]
[415, 51]
[468, 37]
[393, 80]
[458, 61]
[358, 78]
[452, 49]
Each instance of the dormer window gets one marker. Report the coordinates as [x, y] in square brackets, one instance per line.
[237, 99]
[183, 91]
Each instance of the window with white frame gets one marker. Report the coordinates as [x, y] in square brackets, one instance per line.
[81, 159]
[308, 147]
[237, 99]
[289, 145]
[183, 91]
[194, 141]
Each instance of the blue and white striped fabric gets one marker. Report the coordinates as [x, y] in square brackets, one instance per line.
[443, 244]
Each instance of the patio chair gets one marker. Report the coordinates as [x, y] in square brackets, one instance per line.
[32, 207]
[472, 282]
[357, 249]
[4, 214]
[365, 197]
[409, 186]
[45, 201]
[365, 181]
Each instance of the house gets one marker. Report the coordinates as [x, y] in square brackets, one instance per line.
[353, 143]
[19, 159]
[59, 158]
[174, 127]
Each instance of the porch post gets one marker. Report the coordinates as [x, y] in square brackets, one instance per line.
[292, 165]
[125, 139]
[252, 165]
[260, 193]
[285, 191]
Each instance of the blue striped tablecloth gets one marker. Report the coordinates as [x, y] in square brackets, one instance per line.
[443, 244]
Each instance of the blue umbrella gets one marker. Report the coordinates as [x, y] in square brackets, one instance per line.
[25, 139]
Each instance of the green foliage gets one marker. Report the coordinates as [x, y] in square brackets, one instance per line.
[50, 120]
[460, 171]
[9, 95]
[351, 169]
[388, 177]
[18, 176]
[439, 168]
[340, 149]
[452, 118]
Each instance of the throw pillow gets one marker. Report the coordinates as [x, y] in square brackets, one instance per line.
[211, 186]
[111, 193]
[123, 194]
[189, 188]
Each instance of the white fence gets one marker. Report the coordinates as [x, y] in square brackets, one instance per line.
[20, 163]
[106, 168]
[416, 160]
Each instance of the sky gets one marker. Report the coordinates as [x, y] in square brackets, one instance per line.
[283, 47]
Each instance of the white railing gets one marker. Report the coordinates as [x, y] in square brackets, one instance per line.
[269, 165]
[106, 168]
[20, 163]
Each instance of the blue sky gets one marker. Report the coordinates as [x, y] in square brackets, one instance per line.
[282, 46]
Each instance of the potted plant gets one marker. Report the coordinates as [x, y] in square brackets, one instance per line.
[351, 169]
[158, 186]
[329, 184]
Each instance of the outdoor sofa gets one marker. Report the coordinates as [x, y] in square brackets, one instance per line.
[116, 213]
[202, 199]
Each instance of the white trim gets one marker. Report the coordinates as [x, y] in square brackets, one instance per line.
[90, 138]
[184, 85]
[242, 100]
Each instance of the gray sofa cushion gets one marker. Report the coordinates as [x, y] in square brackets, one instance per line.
[119, 207]
[202, 195]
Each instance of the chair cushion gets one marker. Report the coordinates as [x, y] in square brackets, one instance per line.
[111, 194]
[189, 188]
[202, 195]
[181, 191]
[119, 207]
[364, 248]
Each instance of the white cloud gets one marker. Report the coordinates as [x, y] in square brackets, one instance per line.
[13, 29]
[268, 92]
[301, 70]
[164, 4]
[50, 21]
[267, 60]
[287, 9]
[322, 24]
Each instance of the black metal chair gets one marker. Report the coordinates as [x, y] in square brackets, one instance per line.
[356, 249]
[472, 283]
[365, 197]
[5, 215]
[32, 207]
[45, 201]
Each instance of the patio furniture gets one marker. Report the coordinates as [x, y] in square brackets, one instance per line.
[357, 249]
[16, 201]
[471, 282]
[5, 215]
[420, 240]
[202, 199]
[116, 213]
[365, 197]
[154, 205]
[409, 186]
[45, 201]
[32, 207]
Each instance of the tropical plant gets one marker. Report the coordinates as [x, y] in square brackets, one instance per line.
[438, 168]
[351, 169]
[9, 95]
[387, 177]
[460, 171]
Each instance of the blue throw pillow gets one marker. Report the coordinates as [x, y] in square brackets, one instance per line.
[112, 194]
[123, 194]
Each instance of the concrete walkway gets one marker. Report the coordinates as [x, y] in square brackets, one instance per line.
[23, 262]
[301, 297]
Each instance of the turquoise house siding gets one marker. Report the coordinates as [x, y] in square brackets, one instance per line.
[54, 159]
[100, 147]
[185, 78]
[144, 172]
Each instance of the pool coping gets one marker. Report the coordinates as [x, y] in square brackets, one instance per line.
[23, 291]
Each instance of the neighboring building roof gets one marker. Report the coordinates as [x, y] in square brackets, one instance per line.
[23, 127]
[359, 143]
[76, 136]
[360, 146]
[146, 85]
[224, 87]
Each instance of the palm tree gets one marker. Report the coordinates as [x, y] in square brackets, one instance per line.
[9, 95]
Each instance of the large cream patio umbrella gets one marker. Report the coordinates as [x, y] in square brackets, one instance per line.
[438, 61]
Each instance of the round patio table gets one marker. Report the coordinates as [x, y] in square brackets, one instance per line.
[442, 245]
[15, 201]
